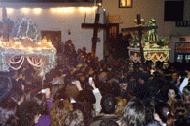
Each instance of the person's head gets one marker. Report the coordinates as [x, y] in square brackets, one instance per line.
[153, 123]
[12, 121]
[120, 105]
[47, 89]
[159, 65]
[162, 109]
[103, 76]
[180, 110]
[171, 94]
[7, 112]
[8, 103]
[188, 73]
[108, 122]
[149, 117]
[86, 96]
[186, 94]
[170, 120]
[5, 115]
[59, 111]
[108, 104]
[75, 118]
[134, 113]
[174, 76]
[142, 77]
[28, 113]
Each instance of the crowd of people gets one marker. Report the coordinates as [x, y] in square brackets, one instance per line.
[85, 91]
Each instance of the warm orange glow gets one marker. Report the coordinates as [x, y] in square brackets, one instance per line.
[31, 46]
[86, 9]
[57, 10]
[129, 3]
[10, 10]
[25, 10]
[60, 10]
[94, 7]
[37, 11]
[99, 4]
[69, 10]
[125, 3]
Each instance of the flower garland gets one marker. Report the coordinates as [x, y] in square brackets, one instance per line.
[12, 61]
[37, 62]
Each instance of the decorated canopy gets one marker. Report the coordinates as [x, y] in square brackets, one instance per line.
[155, 48]
[25, 45]
[150, 54]
[41, 55]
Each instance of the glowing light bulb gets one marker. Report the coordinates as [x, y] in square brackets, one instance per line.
[37, 11]
[25, 10]
[63, 10]
[10, 10]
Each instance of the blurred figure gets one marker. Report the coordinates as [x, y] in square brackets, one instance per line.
[134, 113]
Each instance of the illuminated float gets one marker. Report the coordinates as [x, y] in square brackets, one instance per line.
[154, 47]
[26, 44]
[41, 55]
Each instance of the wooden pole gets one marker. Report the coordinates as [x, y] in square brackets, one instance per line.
[140, 38]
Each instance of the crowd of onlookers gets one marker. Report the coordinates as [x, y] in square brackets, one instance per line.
[85, 91]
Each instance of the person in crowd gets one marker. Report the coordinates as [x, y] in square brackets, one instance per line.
[181, 114]
[153, 123]
[132, 83]
[184, 82]
[29, 113]
[186, 99]
[60, 110]
[75, 118]
[108, 122]
[7, 117]
[134, 113]
[84, 102]
[108, 104]
[149, 110]
[102, 90]
[174, 83]
[120, 105]
[141, 88]
[97, 94]
[162, 111]
[7, 113]
[48, 97]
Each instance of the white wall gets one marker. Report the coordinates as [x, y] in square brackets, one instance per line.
[60, 20]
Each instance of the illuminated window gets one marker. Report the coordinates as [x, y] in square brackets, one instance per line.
[125, 3]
